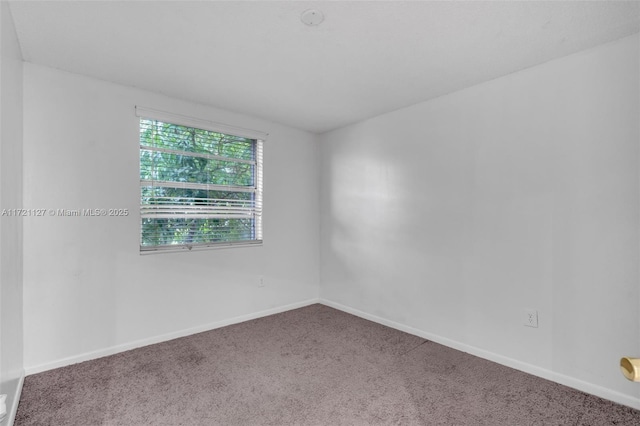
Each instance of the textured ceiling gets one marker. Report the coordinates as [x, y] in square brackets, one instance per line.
[258, 58]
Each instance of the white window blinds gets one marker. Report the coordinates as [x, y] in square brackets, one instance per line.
[200, 183]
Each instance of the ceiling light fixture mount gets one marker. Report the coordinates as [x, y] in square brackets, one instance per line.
[312, 17]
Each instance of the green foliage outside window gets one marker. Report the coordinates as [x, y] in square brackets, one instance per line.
[197, 186]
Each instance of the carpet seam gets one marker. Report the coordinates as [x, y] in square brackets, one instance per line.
[414, 348]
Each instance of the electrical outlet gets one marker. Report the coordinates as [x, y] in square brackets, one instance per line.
[531, 318]
[261, 282]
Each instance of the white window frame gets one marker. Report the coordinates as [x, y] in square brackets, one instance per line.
[182, 120]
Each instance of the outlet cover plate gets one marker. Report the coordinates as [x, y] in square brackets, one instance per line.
[531, 318]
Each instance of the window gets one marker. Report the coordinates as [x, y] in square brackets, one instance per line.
[200, 183]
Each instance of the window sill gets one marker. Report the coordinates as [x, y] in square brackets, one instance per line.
[200, 247]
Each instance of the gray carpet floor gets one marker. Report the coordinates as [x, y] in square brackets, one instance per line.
[310, 366]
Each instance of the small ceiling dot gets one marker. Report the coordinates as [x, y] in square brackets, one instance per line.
[312, 17]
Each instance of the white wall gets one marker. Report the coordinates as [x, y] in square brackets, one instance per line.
[87, 290]
[452, 216]
[11, 367]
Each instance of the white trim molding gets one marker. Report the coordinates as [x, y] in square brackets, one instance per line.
[87, 356]
[12, 409]
[544, 373]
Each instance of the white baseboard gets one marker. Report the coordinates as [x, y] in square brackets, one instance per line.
[544, 373]
[163, 337]
[500, 359]
[12, 410]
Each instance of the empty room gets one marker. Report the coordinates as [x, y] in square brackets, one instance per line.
[319, 213]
